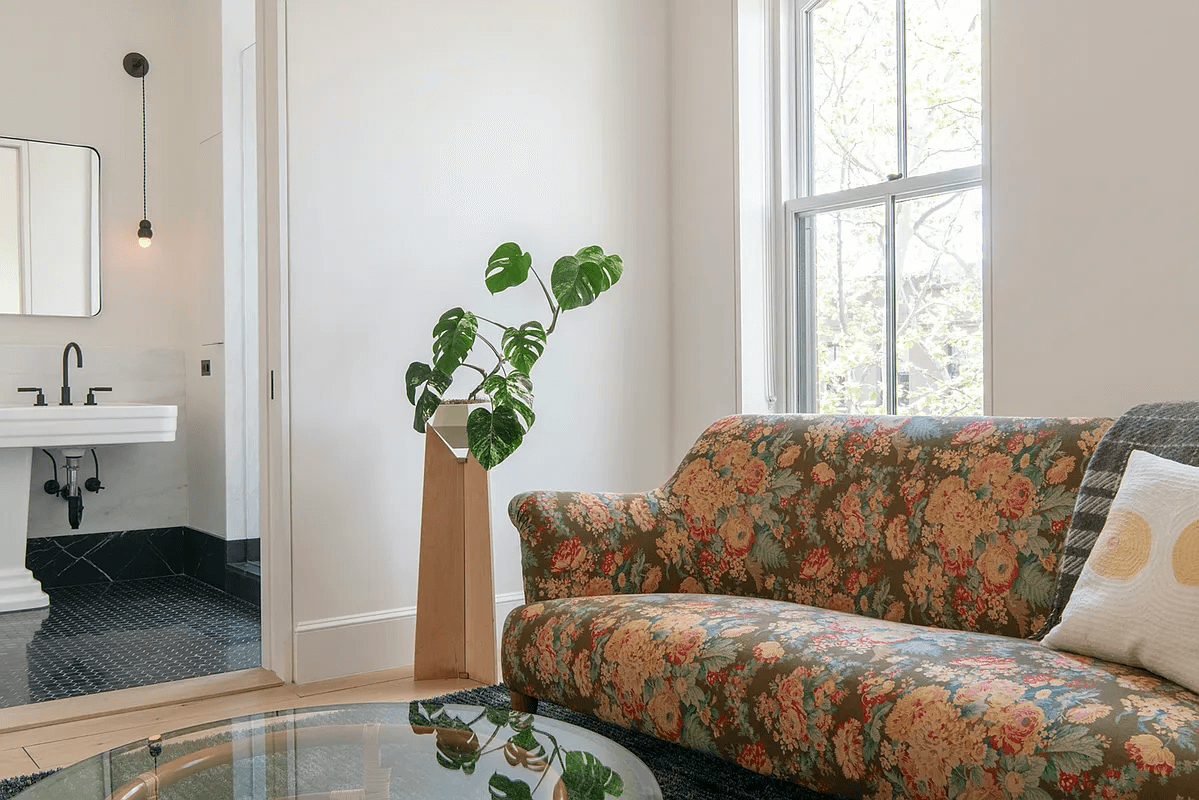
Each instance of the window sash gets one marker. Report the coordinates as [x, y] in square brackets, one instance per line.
[802, 365]
[803, 79]
[800, 212]
[901, 188]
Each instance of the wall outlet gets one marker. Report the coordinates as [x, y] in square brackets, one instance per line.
[205, 368]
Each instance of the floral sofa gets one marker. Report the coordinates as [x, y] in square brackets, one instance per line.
[847, 603]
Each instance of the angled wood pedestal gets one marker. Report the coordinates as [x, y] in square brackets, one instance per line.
[455, 603]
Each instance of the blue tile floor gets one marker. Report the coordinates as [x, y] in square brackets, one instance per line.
[129, 633]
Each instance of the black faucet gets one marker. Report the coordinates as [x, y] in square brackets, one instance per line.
[66, 384]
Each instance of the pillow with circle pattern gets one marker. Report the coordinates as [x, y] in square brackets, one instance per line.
[1137, 600]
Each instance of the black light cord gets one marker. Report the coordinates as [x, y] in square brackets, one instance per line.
[144, 147]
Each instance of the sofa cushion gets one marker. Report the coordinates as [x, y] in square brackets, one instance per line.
[1137, 601]
[857, 706]
[1169, 430]
[956, 522]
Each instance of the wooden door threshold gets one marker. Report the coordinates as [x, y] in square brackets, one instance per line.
[73, 709]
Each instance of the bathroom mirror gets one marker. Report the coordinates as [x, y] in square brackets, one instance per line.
[49, 229]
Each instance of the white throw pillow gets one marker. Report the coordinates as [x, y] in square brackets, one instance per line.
[1137, 600]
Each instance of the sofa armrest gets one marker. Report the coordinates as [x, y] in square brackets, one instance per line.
[575, 544]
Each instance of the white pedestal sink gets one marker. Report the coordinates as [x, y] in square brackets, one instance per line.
[24, 428]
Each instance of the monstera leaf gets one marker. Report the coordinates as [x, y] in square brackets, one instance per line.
[577, 280]
[502, 788]
[435, 383]
[418, 372]
[586, 778]
[453, 338]
[493, 436]
[508, 266]
[514, 391]
[524, 345]
[496, 716]
[458, 748]
[524, 750]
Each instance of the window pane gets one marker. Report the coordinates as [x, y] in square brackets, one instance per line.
[939, 332]
[853, 79]
[944, 84]
[845, 248]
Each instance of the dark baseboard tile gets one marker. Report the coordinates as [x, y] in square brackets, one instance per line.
[128, 555]
[105, 557]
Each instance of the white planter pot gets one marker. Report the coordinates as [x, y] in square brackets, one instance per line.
[450, 421]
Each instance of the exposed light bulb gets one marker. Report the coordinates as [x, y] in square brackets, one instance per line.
[144, 241]
[145, 233]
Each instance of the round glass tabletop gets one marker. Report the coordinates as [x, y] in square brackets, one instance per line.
[370, 751]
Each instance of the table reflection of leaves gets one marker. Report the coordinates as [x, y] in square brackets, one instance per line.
[524, 750]
[582, 776]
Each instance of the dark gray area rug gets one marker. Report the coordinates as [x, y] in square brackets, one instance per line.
[10, 787]
[683, 774]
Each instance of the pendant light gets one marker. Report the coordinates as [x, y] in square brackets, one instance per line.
[137, 66]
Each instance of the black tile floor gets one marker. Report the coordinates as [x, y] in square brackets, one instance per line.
[129, 633]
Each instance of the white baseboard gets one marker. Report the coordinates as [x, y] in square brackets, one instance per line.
[339, 646]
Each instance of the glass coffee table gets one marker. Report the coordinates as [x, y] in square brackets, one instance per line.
[372, 751]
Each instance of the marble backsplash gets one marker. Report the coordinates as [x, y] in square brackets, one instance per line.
[146, 485]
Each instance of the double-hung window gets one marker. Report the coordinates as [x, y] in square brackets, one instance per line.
[888, 224]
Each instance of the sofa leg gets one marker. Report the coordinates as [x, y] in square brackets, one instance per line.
[524, 703]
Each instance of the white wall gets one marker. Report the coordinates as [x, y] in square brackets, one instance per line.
[703, 334]
[1095, 262]
[81, 94]
[1095, 255]
[239, 360]
[420, 136]
[218, 30]
[170, 295]
[202, 142]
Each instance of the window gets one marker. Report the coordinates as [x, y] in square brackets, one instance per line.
[888, 226]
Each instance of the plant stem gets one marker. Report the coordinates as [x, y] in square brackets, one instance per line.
[493, 322]
[498, 356]
[488, 343]
[479, 370]
[550, 761]
[500, 361]
[549, 298]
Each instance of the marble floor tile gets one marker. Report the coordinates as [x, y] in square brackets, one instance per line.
[128, 633]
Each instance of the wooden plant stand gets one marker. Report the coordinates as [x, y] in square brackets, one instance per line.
[455, 602]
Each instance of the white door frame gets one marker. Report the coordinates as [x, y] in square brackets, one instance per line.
[278, 618]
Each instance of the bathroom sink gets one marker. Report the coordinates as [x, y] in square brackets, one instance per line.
[86, 426]
[70, 428]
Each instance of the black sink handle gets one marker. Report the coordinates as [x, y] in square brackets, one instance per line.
[91, 394]
[41, 397]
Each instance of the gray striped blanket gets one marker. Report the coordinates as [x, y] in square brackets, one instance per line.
[1169, 430]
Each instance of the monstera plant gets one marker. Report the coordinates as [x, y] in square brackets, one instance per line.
[494, 434]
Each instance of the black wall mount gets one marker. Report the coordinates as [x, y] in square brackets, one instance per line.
[136, 65]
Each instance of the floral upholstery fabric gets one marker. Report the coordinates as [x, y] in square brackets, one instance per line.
[951, 522]
[857, 706]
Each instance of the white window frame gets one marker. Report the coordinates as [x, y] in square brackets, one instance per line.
[792, 347]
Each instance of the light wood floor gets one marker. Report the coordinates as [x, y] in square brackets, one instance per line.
[58, 744]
